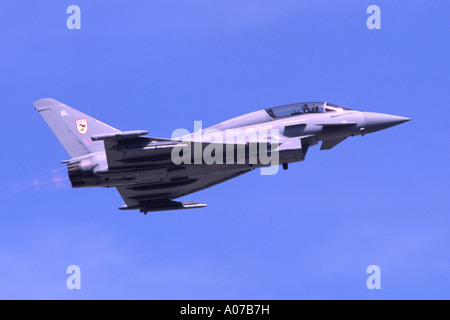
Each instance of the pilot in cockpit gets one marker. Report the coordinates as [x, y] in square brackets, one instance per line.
[305, 108]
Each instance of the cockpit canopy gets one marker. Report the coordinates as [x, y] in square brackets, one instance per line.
[303, 108]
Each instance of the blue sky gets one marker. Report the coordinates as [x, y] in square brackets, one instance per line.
[306, 233]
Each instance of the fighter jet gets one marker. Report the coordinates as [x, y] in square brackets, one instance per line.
[150, 173]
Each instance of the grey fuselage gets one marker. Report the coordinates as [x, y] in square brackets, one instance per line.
[314, 123]
[299, 126]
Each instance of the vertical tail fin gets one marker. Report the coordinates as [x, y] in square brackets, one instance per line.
[73, 128]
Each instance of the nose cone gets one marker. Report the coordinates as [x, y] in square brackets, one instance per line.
[379, 121]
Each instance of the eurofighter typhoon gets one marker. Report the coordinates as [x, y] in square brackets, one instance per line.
[150, 173]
